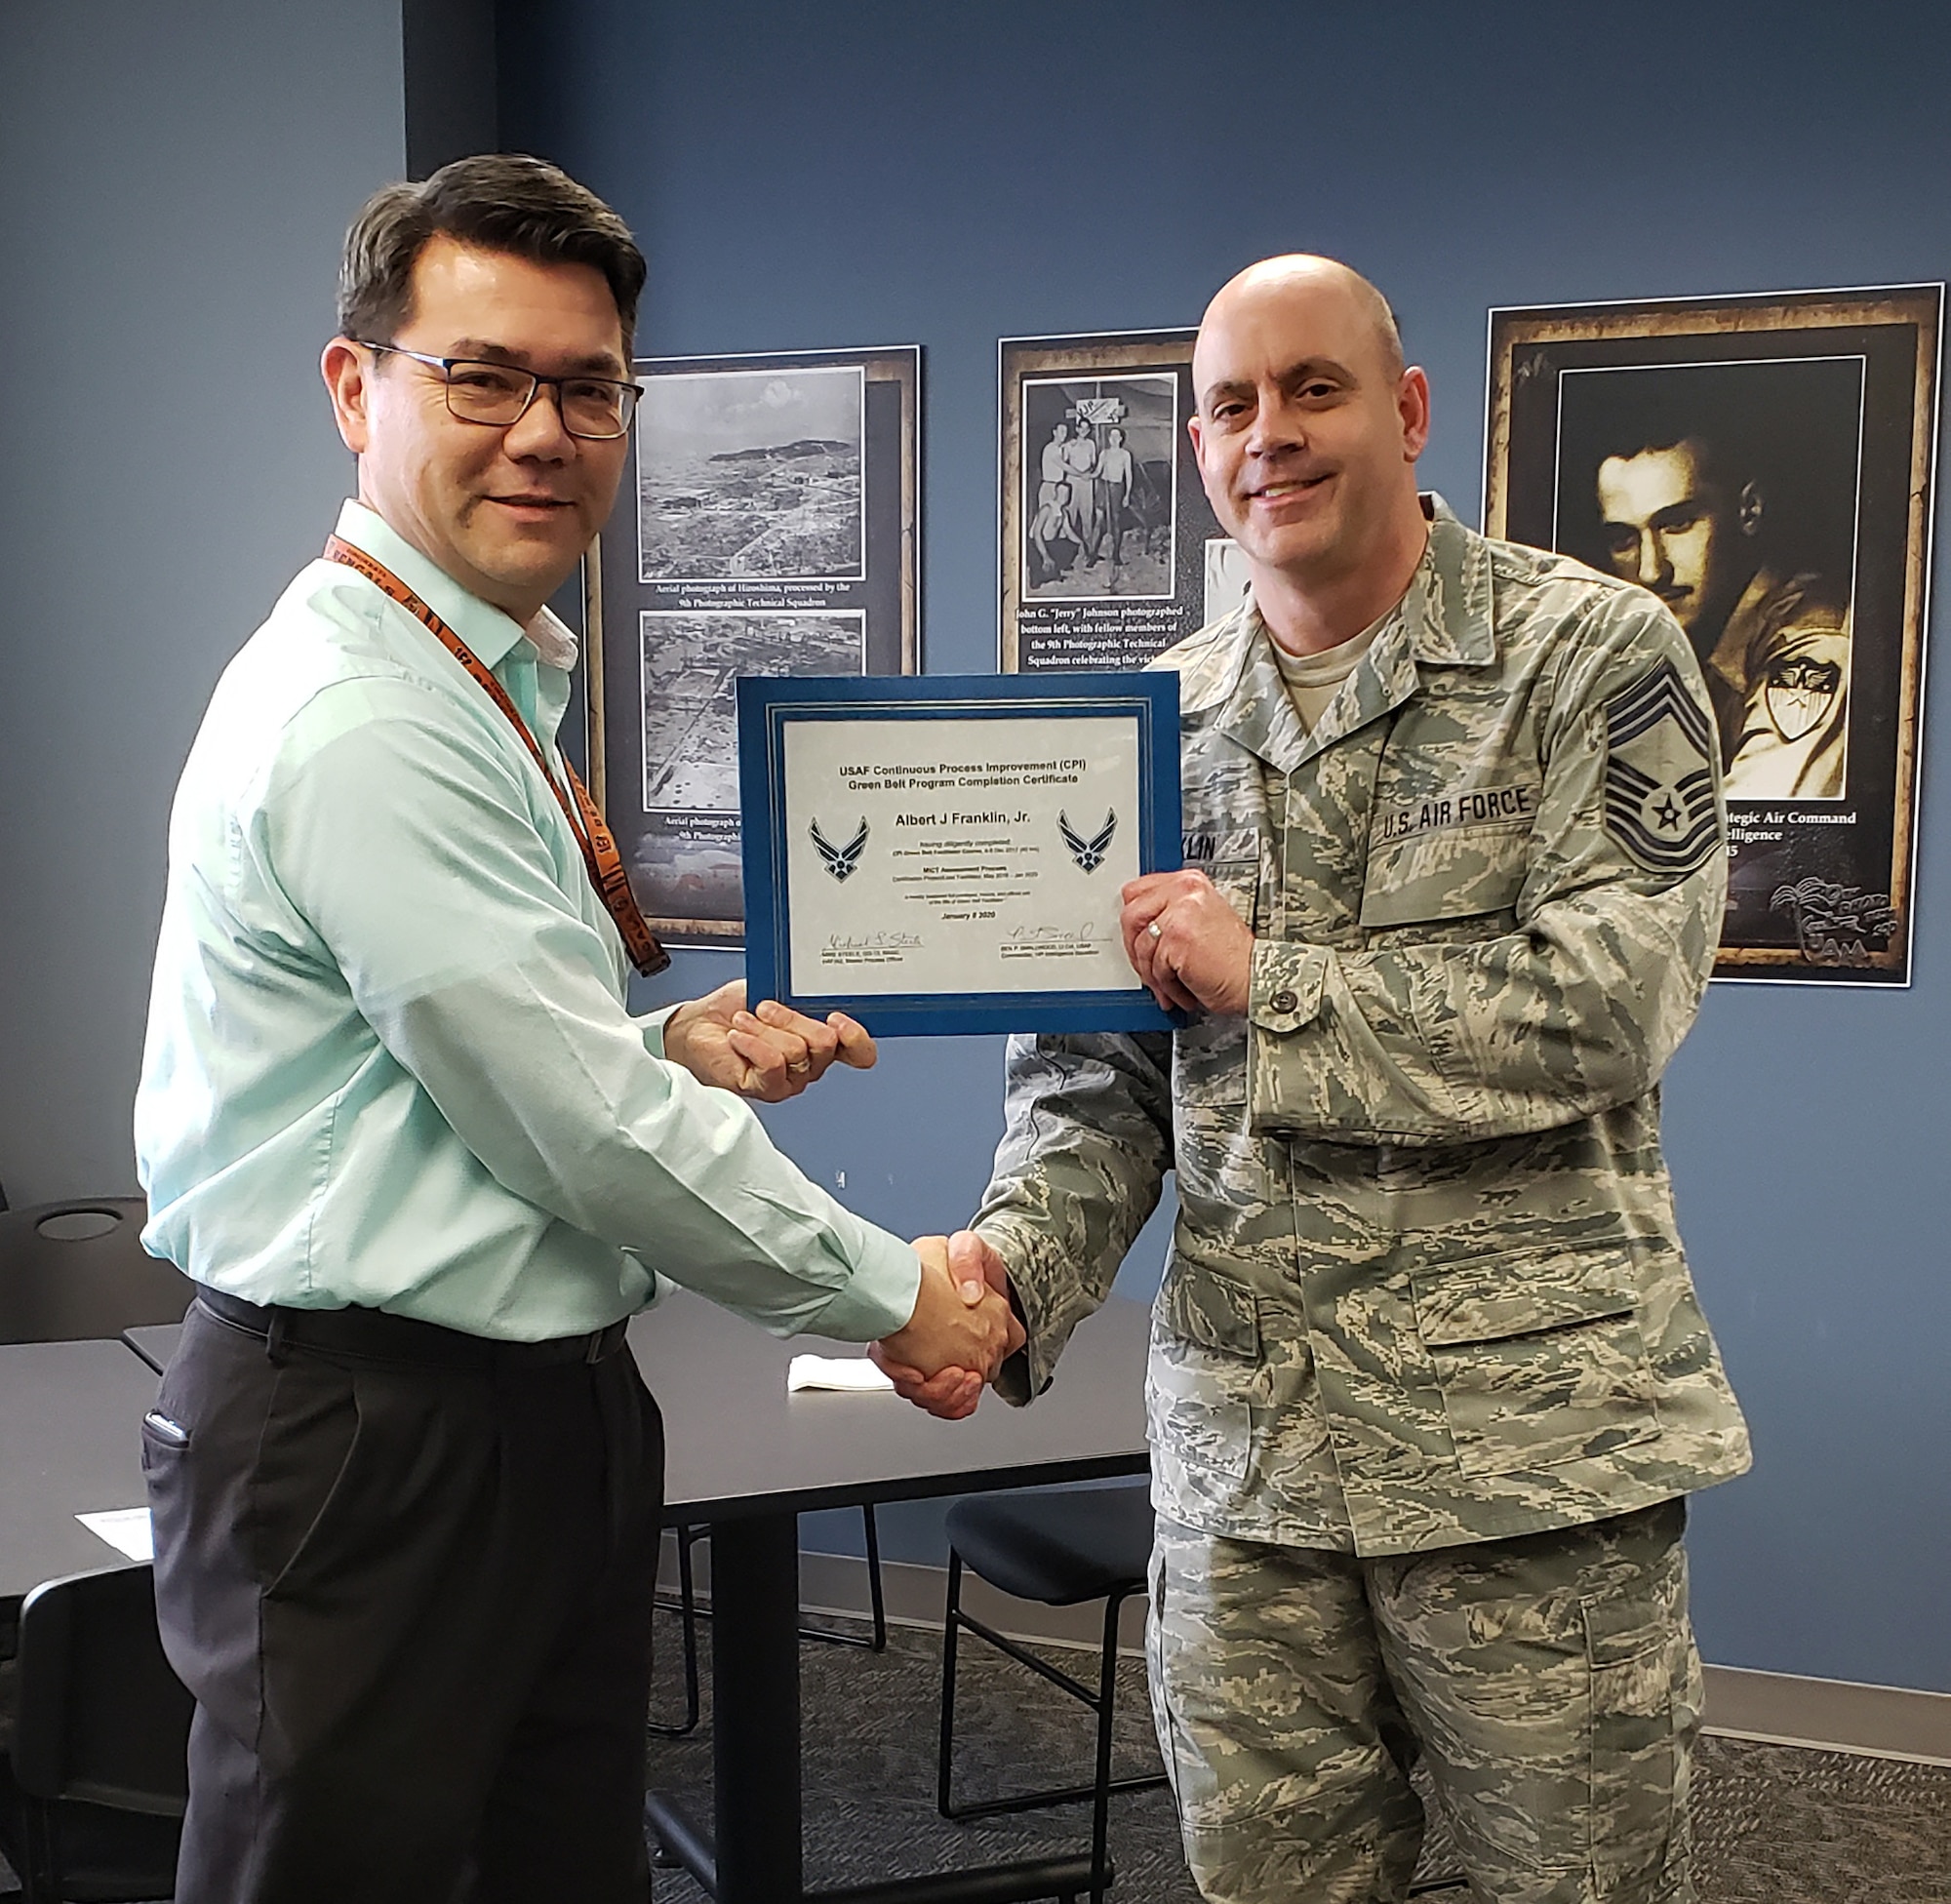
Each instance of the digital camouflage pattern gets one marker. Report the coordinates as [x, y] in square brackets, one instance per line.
[1426, 1286]
[1549, 1683]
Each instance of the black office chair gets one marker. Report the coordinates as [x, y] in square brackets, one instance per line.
[1060, 1546]
[101, 1730]
[685, 1605]
[76, 1271]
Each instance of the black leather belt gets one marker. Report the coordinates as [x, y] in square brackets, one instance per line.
[375, 1335]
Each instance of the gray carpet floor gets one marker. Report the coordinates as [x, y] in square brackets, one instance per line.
[1773, 1824]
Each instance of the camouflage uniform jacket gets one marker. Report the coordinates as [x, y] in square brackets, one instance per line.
[1426, 1286]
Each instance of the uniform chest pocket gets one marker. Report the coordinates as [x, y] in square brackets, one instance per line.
[1230, 857]
[1461, 872]
[1540, 1356]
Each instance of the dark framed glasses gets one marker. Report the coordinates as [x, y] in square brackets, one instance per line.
[596, 409]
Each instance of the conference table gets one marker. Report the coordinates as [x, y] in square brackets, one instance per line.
[70, 1443]
[748, 1458]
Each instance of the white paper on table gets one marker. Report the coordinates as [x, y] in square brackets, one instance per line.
[852, 1372]
[124, 1529]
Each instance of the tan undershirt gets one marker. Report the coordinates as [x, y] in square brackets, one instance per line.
[1314, 679]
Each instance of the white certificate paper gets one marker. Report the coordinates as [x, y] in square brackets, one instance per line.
[946, 856]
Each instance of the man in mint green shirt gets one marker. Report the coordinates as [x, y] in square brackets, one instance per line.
[398, 1125]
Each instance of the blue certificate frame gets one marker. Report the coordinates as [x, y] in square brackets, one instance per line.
[772, 709]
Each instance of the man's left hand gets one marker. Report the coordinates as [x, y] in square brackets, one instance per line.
[1187, 943]
[772, 1053]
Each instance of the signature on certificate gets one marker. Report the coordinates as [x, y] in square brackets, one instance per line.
[872, 941]
[1089, 933]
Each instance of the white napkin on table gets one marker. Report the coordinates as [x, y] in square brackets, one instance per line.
[124, 1529]
[852, 1372]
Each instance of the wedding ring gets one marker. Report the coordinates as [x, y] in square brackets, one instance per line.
[1153, 929]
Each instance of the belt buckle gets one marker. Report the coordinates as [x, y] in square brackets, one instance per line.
[601, 1342]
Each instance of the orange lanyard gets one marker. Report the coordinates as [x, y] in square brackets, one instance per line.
[585, 821]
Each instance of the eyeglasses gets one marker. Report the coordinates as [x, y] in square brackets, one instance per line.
[596, 409]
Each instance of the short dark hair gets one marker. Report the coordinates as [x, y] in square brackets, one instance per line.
[1631, 412]
[498, 202]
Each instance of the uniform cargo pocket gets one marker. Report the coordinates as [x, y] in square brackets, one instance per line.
[1645, 1708]
[1456, 873]
[1210, 1309]
[1203, 1375]
[1539, 1359]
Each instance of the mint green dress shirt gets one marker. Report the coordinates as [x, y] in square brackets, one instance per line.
[388, 1059]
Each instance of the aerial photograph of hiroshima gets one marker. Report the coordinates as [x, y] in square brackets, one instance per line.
[752, 475]
[691, 709]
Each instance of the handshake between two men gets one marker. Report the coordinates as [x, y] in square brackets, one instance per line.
[963, 1328]
[1193, 952]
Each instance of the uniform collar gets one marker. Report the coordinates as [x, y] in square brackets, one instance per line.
[486, 630]
[1451, 598]
[1443, 620]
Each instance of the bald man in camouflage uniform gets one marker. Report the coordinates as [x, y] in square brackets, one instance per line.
[1428, 1379]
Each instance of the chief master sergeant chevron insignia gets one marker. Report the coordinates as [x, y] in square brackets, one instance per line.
[1659, 777]
[841, 861]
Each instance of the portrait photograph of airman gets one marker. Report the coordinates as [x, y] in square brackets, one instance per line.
[1729, 492]
[1762, 467]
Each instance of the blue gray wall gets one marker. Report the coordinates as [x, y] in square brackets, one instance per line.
[884, 173]
[179, 180]
[875, 173]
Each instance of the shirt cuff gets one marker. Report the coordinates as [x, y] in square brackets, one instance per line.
[879, 1297]
[1287, 983]
[652, 1026]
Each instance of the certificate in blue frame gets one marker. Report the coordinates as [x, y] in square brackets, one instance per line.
[771, 707]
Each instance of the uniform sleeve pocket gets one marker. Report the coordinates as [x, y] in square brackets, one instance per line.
[1461, 873]
[1539, 1356]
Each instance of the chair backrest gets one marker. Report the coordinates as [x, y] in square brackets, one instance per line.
[100, 1716]
[77, 1271]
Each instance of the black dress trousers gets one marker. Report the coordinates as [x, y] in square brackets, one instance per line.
[412, 1600]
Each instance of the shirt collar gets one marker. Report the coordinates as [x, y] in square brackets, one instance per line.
[1443, 620]
[485, 628]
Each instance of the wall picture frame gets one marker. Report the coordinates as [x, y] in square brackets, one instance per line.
[769, 523]
[1107, 539]
[1763, 463]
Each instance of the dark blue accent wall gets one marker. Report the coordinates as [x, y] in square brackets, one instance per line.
[859, 173]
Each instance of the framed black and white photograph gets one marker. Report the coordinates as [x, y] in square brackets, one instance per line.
[753, 474]
[1762, 465]
[1099, 493]
[769, 524]
[1104, 525]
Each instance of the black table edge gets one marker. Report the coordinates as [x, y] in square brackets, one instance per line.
[987, 1479]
